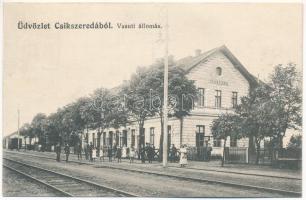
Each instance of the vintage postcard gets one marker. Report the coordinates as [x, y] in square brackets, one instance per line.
[152, 100]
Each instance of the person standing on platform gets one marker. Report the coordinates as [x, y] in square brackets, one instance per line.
[173, 153]
[143, 154]
[110, 154]
[183, 156]
[150, 153]
[58, 152]
[132, 154]
[90, 151]
[79, 151]
[86, 151]
[119, 154]
[101, 154]
[67, 151]
[209, 150]
[124, 151]
[94, 154]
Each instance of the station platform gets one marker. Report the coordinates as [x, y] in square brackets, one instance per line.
[196, 166]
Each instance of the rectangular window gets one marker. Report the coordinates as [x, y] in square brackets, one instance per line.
[124, 138]
[152, 135]
[217, 142]
[234, 99]
[233, 142]
[133, 138]
[201, 97]
[200, 133]
[110, 139]
[218, 99]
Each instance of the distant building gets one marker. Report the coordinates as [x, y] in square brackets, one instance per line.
[221, 80]
[11, 141]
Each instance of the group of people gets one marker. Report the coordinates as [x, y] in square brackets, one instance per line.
[146, 152]
[58, 152]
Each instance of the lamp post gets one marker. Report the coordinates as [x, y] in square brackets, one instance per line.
[165, 110]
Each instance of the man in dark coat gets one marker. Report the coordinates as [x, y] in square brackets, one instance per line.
[79, 151]
[86, 151]
[119, 154]
[143, 154]
[209, 150]
[67, 151]
[173, 153]
[58, 152]
[109, 154]
[90, 151]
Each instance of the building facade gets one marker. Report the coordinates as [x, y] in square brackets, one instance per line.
[221, 81]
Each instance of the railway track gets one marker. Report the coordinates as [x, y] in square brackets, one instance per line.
[63, 184]
[286, 193]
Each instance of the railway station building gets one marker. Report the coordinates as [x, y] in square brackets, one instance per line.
[221, 81]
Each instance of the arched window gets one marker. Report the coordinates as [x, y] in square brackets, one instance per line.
[219, 71]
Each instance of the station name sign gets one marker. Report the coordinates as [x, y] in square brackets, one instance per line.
[218, 82]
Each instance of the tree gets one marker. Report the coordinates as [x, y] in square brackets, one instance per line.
[181, 94]
[256, 112]
[39, 124]
[226, 125]
[295, 142]
[100, 111]
[138, 100]
[287, 99]
[56, 129]
[27, 132]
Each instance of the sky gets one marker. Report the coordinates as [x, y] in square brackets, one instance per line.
[47, 69]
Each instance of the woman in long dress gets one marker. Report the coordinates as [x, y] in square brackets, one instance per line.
[94, 154]
[183, 156]
[132, 155]
[124, 154]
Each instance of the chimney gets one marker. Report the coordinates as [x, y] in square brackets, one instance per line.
[197, 52]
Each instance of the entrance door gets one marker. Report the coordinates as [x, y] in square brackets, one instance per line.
[200, 133]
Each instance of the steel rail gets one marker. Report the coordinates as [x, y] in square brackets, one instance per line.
[66, 194]
[124, 193]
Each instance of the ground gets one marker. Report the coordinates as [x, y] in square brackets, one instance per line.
[126, 177]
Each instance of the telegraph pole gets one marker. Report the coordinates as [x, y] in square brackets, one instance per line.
[165, 111]
[18, 112]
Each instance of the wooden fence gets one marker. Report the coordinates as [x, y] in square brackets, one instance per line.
[236, 155]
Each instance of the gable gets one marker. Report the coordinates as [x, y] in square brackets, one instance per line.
[231, 79]
[189, 63]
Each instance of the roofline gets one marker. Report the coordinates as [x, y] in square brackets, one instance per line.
[237, 64]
